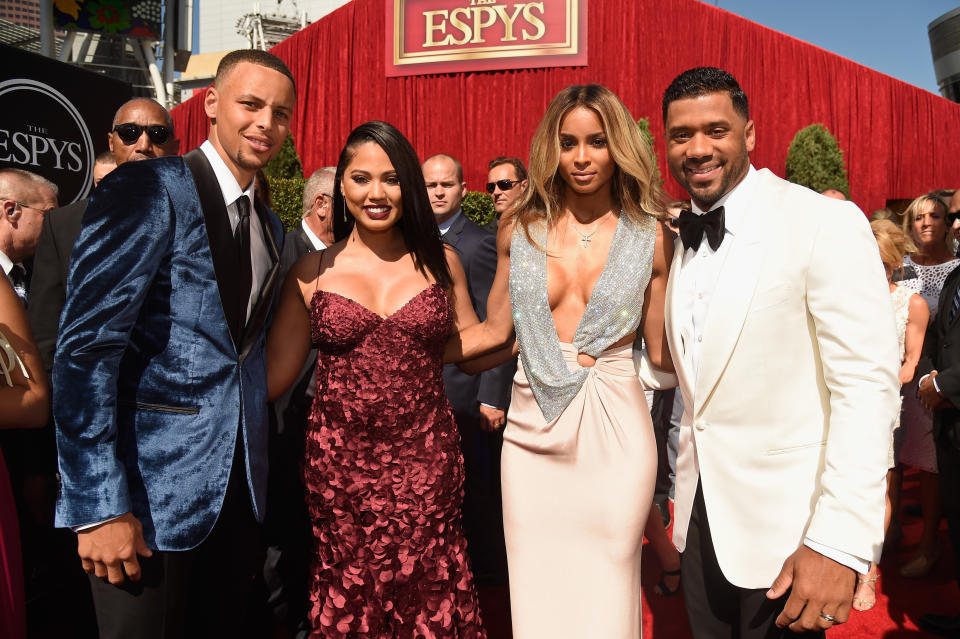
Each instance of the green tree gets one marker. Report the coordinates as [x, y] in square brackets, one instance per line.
[286, 163]
[478, 207]
[815, 161]
[286, 197]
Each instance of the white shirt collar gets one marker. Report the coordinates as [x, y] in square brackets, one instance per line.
[6, 263]
[445, 226]
[735, 202]
[316, 241]
[229, 186]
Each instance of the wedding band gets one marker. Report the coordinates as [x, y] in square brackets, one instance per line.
[829, 618]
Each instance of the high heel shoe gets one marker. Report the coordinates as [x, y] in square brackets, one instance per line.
[863, 603]
[921, 565]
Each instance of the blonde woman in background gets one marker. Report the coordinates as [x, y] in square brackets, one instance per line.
[911, 314]
[924, 222]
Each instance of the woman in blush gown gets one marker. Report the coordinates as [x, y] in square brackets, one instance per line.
[24, 403]
[383, 469]
[581, 275]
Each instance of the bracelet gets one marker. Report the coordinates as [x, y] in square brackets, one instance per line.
[9, 360]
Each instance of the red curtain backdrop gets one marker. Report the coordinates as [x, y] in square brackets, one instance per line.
[898, 140]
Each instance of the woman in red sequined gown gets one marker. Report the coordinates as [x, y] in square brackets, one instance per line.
[383, 468]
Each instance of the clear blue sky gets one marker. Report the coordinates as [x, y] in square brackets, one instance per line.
[889, 36]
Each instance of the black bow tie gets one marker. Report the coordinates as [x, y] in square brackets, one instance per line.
[693, 226]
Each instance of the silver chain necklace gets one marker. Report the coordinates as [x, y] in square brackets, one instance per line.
[585, 237]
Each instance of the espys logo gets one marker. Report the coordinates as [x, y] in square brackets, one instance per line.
[50, 137]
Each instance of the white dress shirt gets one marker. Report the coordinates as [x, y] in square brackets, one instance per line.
[260, 261]
[445, 226]
[5, 263]
[314, 240]
[697, 281]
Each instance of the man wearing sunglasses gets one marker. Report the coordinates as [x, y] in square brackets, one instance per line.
[506, 183]
[953, 213]
[159, 390]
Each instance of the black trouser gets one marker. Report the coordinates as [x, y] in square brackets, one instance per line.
[482, 505]
[660, 414]
[208, 591]
[948, 463]
[716, 608]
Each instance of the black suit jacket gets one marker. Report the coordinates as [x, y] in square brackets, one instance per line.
[290, 409]
[477, 249]
[48, 283]
[941, 350]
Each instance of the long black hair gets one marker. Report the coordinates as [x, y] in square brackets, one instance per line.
[417, 224]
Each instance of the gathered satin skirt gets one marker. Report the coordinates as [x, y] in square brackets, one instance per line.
[576, 493]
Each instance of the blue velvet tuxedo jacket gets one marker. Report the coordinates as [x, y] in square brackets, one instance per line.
[153, 379]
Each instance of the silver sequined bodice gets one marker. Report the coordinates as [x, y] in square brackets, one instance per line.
[613, 311]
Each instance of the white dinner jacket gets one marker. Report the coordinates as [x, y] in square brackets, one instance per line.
[788, 423]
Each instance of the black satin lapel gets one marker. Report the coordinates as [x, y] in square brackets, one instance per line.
[943, 313]
[223, 250]
[258, 316]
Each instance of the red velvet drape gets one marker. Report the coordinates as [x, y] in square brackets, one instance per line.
[897, 139]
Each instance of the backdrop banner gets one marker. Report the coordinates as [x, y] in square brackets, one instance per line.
[448, 36]
[55, 119]
[898, 140]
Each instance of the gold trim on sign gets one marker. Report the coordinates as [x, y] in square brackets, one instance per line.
[570, 45]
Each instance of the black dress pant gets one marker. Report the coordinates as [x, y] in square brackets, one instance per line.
[716, 608]
[948, 463]
[208, 591]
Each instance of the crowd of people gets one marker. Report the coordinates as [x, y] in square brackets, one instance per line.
[342, 430]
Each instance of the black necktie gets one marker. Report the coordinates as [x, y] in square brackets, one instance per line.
[693, 226]
[241, 236]
[18, 277]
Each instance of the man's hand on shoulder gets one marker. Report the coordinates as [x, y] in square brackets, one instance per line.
[110, 550]
[929, 395]
[821, 595]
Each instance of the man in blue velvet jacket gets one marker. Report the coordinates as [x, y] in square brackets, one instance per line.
[160, 376]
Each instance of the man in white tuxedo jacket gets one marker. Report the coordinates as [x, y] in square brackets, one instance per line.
[781, 327]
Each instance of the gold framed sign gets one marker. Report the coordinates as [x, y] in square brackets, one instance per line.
[450, 36]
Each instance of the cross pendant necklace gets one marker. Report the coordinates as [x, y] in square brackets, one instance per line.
[585, 238]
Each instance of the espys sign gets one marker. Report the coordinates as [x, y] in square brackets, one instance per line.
[59, 141]
[55, 119]
[449, 36]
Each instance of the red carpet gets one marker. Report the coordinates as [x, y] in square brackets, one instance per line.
[899, 601]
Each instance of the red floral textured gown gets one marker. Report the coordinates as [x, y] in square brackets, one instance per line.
[384, 476]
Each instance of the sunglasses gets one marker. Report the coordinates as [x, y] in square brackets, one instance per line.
[952, 217]
[130, 132]
[503, 185]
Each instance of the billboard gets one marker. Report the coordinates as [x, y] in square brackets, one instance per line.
[139, 18]
[451, 36]
[55, 119]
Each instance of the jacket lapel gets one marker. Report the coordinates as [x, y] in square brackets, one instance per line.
[223, 250]
[258, 316]
[452, 236]
[946, 303]
[736, 284]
